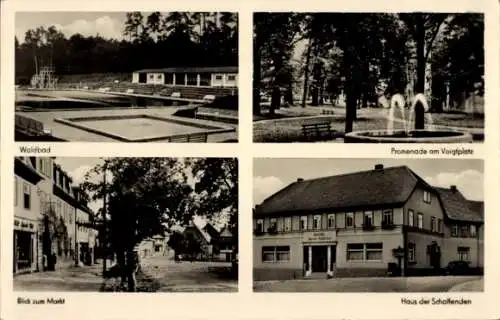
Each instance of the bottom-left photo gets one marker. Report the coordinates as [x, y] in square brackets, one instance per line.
[125, 224]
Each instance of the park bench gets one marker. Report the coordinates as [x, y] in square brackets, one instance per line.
[326, 111]
[319, 131]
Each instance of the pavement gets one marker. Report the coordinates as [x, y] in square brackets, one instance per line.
[157, 274]
[410, 284]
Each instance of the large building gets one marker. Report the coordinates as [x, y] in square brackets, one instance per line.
[364, 224]
[52, 223]
[191, 76]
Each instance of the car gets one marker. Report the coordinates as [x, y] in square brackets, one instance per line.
[457, 268]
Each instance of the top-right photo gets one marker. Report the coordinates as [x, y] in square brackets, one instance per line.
[410, 77]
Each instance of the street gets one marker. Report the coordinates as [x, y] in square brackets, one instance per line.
[158, 274]
[411, 284]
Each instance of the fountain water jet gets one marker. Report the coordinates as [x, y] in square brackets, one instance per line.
[414, 129]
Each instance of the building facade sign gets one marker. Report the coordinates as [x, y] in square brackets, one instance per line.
[24, 225]
[327, 236]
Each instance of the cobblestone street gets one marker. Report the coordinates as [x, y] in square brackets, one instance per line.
[158, 274]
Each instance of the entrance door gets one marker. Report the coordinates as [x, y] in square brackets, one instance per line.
[319, 258]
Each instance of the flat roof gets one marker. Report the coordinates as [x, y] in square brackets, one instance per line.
[224, 69]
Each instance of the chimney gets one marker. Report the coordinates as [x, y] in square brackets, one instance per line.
[300, 179]
[453, 188]
[379, 167]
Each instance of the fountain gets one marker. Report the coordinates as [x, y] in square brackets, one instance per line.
[414, 130]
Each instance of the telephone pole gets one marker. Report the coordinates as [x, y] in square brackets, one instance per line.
[104, 212]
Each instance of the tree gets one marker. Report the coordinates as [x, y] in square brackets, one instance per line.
[216, 184]
[133, 25]
[145, 197]
[424, 28]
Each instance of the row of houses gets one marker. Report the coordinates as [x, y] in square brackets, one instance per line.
[361, 224]
[52, 224]
[215, 244]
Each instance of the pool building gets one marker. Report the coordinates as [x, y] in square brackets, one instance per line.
[365, 224]
[189, 76]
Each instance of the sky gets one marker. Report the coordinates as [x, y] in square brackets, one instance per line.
[271, 175]
[106, 24]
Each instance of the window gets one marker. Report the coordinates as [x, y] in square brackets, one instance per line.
[27, 196]
[463, 253]
[231, 78]
[192, 79]
[374, 251]
[420, 221]
[440, 225]
[158, 76]
[368, 220]
[427, 197]
[411, 252]
[276, 254]
[454, 230]
[273, 225]
[288, 224]
[387, 217]
[464, 231]
[349, 219]
[433, 224]
[473, 231]
[364, 251]
[260, 225]
[331, 221]
[411, 218]
[151, 76]
[355, 252]
[218, 77]
[317, 222]
[303, 223]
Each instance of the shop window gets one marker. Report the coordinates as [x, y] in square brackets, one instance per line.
[364, 251]
[355, 252]
[275, 253]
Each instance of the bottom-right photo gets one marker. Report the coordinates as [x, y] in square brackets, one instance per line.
[368, 225]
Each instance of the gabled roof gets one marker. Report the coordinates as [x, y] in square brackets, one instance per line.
[381, 187]
[222, 69]
[225, 233]
[457, 207]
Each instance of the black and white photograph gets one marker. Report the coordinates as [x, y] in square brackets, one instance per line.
[409, 77]
[126, 76]
[368, 225]
[125, 224]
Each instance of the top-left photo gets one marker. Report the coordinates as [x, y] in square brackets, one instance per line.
[126, 76]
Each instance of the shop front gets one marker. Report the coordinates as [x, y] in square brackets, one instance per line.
[319, 253]
[25, 246]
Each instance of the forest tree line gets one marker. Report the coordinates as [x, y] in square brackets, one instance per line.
[365, 55]
[154, 40]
